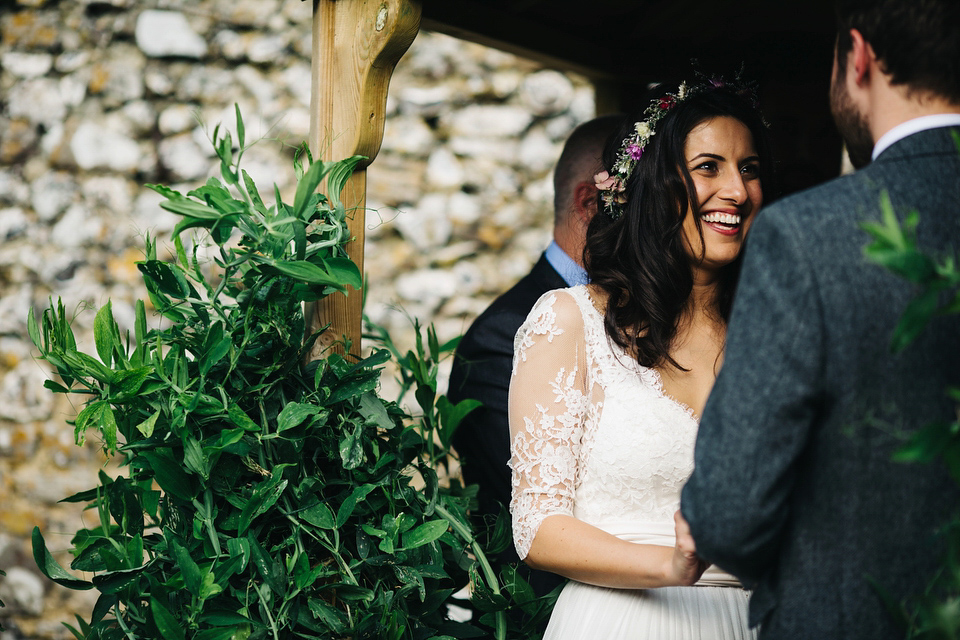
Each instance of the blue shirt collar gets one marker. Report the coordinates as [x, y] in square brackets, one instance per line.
[572, 273]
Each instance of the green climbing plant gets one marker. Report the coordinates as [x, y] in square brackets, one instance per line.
[260, 495]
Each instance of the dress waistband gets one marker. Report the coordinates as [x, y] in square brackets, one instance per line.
[664, 535]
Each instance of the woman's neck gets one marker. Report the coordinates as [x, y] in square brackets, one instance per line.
[702, 304]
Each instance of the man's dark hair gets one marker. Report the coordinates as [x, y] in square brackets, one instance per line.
[917, 42]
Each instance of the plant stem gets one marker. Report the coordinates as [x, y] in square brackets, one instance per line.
[488, 574]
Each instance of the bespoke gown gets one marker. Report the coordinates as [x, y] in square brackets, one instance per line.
[595, 437]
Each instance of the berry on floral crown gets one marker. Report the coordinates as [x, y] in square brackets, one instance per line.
[613, 187]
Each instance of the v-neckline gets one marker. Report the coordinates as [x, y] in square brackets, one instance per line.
[623, 357]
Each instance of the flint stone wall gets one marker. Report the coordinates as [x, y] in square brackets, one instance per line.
[99, 97]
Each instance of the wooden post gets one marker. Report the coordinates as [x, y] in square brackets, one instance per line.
[356, 46]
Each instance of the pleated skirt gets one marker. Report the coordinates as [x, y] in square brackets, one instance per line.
[586, 612]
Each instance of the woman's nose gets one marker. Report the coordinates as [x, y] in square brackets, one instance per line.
[734, 190]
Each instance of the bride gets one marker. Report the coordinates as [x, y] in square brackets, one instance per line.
[609, 378]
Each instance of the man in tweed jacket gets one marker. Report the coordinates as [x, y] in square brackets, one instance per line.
[794, 490]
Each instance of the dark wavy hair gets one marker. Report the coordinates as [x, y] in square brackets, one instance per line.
[639, 259]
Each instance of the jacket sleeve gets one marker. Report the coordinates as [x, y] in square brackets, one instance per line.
[481, 371]
[760, 414]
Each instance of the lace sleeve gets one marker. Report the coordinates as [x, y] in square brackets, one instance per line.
[548, 407]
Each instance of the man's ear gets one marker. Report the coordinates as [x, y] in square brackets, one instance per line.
[861, 57]
[585, 201]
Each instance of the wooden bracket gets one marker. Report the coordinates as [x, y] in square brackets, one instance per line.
[356, 46]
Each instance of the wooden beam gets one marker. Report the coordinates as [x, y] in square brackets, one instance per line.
[475, 21]
[356, 46]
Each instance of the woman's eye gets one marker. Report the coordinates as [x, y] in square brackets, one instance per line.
[750, 170]
[706, 166]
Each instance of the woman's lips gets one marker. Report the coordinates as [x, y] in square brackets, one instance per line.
[723, 222]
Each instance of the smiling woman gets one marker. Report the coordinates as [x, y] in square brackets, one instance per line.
[610, 378]
[725, 170]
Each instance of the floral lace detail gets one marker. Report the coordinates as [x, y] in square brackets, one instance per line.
[593, 434]
[540, 322]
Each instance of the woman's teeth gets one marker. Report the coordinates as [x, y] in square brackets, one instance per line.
[722, 218]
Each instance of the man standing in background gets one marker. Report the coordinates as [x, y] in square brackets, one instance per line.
[484, 360]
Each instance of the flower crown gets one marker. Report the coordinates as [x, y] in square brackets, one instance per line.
[613, 187]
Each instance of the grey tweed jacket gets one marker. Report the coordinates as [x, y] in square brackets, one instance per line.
[794, 490]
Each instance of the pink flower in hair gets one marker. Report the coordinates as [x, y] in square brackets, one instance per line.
[604, 181]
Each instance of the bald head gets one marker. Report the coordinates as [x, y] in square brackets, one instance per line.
[580, 161]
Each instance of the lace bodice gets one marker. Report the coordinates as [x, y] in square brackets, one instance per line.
[593, 434]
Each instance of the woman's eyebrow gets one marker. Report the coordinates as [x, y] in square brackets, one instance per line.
[719, 158]
[712, 156]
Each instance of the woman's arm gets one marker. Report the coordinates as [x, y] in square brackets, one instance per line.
[549, 406]
[580, 551]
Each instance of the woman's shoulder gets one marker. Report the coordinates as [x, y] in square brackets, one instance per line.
[569, 305]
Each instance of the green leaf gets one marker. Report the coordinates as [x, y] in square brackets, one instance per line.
[241, 131]
[926, 444]
[915, 319]
[344, 271]
[300, 238]
[170, 475]
[108, 427]
[424, 534]
[307, 186]
[51, 568]
[269, 568]
[374, 411]
[350, 503]
[113, 582]
[351, 592]
[355, 386]
[84, 365]
[305, 271]
[239, 418]
[189, 570]
[224, 619]
[166, 192]
[351, 447]
[224, 634]
[319, 515]
[88, 416]
[147, 426]
[293, 415]
[169, 627]
[331, 617]
[215, 347]
[264, 496]
[169, 279]
[451, 415]
[56, 387]
[129, 381]
[194, 458]
[103, 333]
[340, 172]
[253, 193]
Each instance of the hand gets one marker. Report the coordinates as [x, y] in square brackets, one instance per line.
[686, 567]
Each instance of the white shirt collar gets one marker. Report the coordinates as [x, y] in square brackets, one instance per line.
[911, 127]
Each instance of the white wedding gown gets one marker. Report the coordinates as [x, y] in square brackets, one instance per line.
[595, 437]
